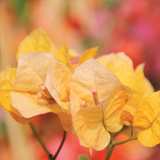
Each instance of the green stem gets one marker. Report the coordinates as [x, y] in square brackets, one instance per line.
[39, 139]
[110, 147]
[110, 152]
[64, 137]
[132, 138]
[112, 144]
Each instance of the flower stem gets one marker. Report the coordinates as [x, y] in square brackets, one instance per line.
[64, 137]
[112, 144]
[132, 138]
[110, 147]
[110, 152]
[39, 139]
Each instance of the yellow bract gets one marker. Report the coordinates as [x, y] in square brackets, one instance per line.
[92, 75]
[6, 84]
[91, 53]
[32, 69]
[139, 86]
[127, 115]
[147, 120]
[57, 83]
[63, 56]
[97, 119]
[37, 40]
[121, 66]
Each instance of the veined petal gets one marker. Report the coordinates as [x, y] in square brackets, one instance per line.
[63, 56]
[139, 87]
[29, 105]
[32, 69]
[113, 106]
[91, 53]
[121, 65]
[57, 79]
[37, 40]
[75, 106]
[147, 120]
[127, 115]
[92, 75]
[6, 84]
[89, 127]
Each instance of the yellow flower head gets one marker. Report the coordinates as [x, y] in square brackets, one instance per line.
[122, 66]
[96, 101]
[6, 83]
[32, 69]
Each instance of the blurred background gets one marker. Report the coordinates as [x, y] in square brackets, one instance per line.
[131, 26]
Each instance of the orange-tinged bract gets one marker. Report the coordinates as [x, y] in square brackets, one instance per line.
[97, 121]
[92, 75]
[57, 84]
[147, 120]
[38, 40]
[32, 69]
[6, 84]
[139, 87]
[63, 56]
[122, 66]
[127, 115]
[93, 122]
[91, 53]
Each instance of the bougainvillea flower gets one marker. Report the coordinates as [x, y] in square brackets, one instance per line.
[38, 40]
[6, 84]
[127, 115]
[32, 69]
[122, 66]
[57, 79]
[147, 120]
[63, 56]
[96, 101]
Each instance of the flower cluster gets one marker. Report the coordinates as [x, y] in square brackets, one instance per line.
[95, 96]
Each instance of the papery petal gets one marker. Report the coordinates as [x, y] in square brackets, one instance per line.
[29, 105]
[57, 79]
[32, 69]
[139, 87]
[147, 120]
[91, 53]
[127, 115]
[63, 56]
[65, 119]
[121, 66]
[75, 106]
[6, 83]
[92, 75]
[89, 127]
[113, 106]
[37, 40]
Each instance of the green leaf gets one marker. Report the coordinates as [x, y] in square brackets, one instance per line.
[83, 157]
